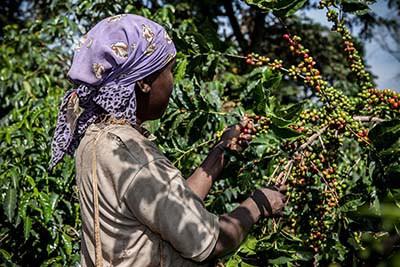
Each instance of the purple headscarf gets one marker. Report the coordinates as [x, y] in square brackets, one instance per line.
[115, 54]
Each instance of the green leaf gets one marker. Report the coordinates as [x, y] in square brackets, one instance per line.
[53, 201]
[152, 126]
[393, 170]
[46, 205]
[352, 205]
[248, 247]
[283, 116]
[67, 243]
[201, 41]
[10, 203]
[385, 134]
[244, 264]
[262, 143]
[180, 70]
[28, 88]
[288, 8]
[27, 227]
[388, 211]
[280, 260]
[271, 82]
[281, 122]
[261, 94]
[234, 261]
[273, 104]
[392, 151]
[284, 132]
[290, 112]
[280, 7]
[5, 254]
[355, 6]
[304, 255]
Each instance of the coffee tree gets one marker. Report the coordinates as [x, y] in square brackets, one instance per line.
[336, 151]
[336, 154]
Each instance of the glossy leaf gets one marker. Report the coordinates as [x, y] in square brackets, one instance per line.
[10, 203]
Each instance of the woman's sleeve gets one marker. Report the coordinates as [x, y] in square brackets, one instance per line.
[160, 198]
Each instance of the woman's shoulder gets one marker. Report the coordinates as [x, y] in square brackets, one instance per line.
[134, 141]
[117, 139]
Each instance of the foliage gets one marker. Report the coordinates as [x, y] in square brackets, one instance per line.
[320, 132]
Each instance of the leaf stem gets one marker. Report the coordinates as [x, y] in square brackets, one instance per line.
[194, 148]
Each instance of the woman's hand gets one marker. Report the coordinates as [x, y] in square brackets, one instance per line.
[270, 202]
[234, 138]
[235, 225]
[237, 137]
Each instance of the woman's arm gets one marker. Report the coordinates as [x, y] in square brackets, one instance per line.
[235, 225]
[202, 179]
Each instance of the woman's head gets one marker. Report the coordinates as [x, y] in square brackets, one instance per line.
[121, 50]
[123, 67]
[153, 92]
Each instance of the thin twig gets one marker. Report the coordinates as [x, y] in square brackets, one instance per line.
[367, 119]
[204, 112]
[194, 148]
[352, 167]
[312, 138]
[284, 173]
[322, 143]
[362, 138]
[283, 24]
[4, 237]
[274, 224]
[275, 170]
[288, 171]
[235, 56]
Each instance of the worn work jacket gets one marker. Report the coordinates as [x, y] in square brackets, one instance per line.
[148, 214]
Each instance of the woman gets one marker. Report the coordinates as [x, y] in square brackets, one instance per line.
[136, 208]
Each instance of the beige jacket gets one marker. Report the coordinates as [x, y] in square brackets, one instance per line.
[148, 214]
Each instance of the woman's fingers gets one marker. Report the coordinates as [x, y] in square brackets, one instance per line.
[280, 187]
[237, 137]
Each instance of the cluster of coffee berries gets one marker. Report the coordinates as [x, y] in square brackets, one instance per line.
[339, 106]
[256, 125]
[341, 124]
[256, 59]
[306, 68]
[277, 64]
[297, 48]
[353, 57]
[338, 123]
[381, 99]
[314, 190]
[251, 125]
[311, 115]
[261, 124]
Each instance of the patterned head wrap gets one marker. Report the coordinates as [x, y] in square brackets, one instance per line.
[115, 54]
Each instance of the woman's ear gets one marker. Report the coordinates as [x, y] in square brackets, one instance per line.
[143, 86]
